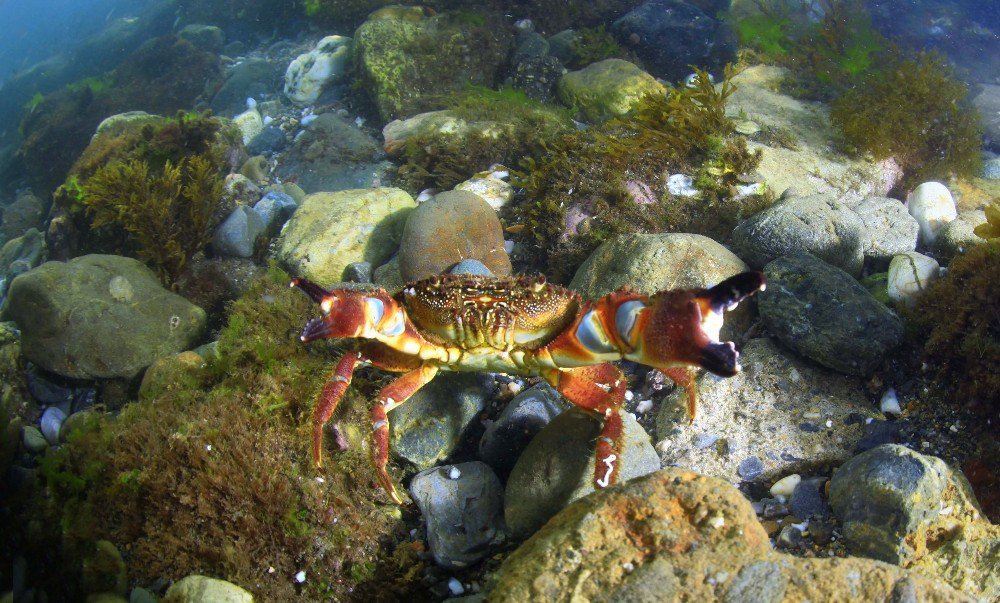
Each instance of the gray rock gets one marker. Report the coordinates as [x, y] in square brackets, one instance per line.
[274, 209]
[888, 228]
[957, 236]
[473, 267]
[432, 423]
[750, 468]
[18, 256]
[463, 507]
[206, 37]
[807, 499]
[358, 272]
[776, 409]
[758, 582]
[33, 440]
[26, 212]
[991, 169]
[557, 468]
[523, 417]
[824, 314]
[530, 44]
[561, 45]
[77, 321]
[819, 224]
[237, 235]
[270, 140]
[252, 77]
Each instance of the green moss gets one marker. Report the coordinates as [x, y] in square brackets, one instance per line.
[167, 215]
[601, 170]
[957, 321]
[768, 34]
[991, 229]
[37, 99]
[593, 44]
[914, 110]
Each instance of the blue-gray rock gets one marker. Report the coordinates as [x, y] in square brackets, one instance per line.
[358, 272]
[463, 507]
[473, 267]
[824, 314]
[819, 224]
[99, 317]
[537, 76]
[52, 390]
[991, 169]
[557, 468]
[205, 37]
[250, 78]
[18, 256]
[238, 233]
[530, 44]
[523, 417]
[888, 228]
[877, 433]
[270, 140]
[432, 423]
[808, 501]
[670, 36]
[274, 209]
[51, 423]
[750, 468]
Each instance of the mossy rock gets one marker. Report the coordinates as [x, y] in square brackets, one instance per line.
[410, 66]
[606, 89]
[99, 317]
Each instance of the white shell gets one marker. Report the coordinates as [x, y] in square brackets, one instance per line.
[786, 485]
[890, 403]
[51, 424]
[932, 206]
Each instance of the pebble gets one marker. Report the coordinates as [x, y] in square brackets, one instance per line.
[786, 485]
[359, 272]
[890, 403]
[33, 440]
[750, 468]
[51, 423]
[790, 537]
[455, 587]
[807, 501]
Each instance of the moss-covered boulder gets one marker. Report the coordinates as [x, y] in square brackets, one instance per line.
[331, 230]
[195, 588]
[678, 535]
[99, 317]
[606, 89]
[409, 66]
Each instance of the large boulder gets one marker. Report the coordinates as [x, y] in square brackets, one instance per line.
[648, 263]
[331, 230]
[451, 227]
[914, 510]
[309, 73]
[675, 535]
[824, 314]
[779, 415]
[100, 317]
[606, 89]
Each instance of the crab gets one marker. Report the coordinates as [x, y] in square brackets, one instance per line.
[525, 326]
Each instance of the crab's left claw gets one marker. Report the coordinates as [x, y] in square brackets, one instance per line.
[314, 291]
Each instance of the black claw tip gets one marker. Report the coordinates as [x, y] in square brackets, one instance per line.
[721, 359]
[314, 291]
[727, 294]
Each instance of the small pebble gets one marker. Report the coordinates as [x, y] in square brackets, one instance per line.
[454, 473]
[789, 537]
[786, 485]
[51, 424]
[704, 440]
[751, 468]
[644, 406]
[455, 587]
[300, 577]
[890, 403]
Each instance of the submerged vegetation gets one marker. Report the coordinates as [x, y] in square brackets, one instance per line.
[210, 472]
[613, 177]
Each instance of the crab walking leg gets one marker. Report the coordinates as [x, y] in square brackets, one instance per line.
[600, 388]
[390, 397]
[684, 377]
[329, 398]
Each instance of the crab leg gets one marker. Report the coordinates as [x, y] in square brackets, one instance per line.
[390, 397]
[684, 377]
[330, 397]
[599, 388]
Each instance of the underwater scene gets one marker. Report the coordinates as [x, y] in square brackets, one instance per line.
[504, 300]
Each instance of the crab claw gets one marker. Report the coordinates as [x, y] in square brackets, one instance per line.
[729, 293]
[721, 357]
[317, 328]
[314, 291]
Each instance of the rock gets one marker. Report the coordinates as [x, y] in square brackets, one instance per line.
[104, 570]
[201, 589]
[332, 154]
[537, 76]
[72, 325]
[51, 424]
[407, 66]
[473, 267]
[491, 186]
[753, 415]
[310, 73]
[26, 212]
[822, 313]
[256, 169]
[523, 417]
[888, 228]
[270, 140]
[397, 132]
[18, 256]
[750, 468]
[358, 272]
[250, 78]
[910, 509]
[387, 276]
[79, 422]
[807, 501]
[467, 496]
[238, 190]
[606, 89]
[909, 274]
[33, 440]
[250, 124]
[169, 372]
[988, 104]
[275, 209]
[991, 169]
[557, 468]
[331, 230]
[654, 262]
[205, 37]
[786, 485]
[932, 206]
[676, 535]
[671, 36]
[432, 423]
[819, 224]
[451, 227]
[811, 167]
[237, 235]
[956, 236]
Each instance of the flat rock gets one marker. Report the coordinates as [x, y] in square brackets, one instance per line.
[786, 412]
[100, 317]
[200, 589]
[824, 314]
